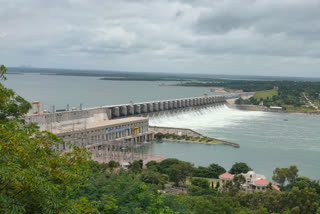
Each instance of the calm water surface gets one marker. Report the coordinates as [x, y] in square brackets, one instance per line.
[266, 140]
[91, 92]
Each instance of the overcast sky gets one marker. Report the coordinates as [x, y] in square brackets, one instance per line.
[260, 37]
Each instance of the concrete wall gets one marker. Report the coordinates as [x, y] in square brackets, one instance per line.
[67, 118]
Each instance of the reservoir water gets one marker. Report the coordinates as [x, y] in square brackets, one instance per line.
[267, 140]
[92, 92]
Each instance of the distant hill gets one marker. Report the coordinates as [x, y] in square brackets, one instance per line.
[150, 76]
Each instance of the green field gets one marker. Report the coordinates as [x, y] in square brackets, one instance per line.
[265, 94]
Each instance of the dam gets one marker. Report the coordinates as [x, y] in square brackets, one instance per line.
[112, 127]
[54, 121]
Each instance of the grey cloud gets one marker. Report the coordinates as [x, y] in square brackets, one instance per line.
[171, 35]
[3, 34]
[274, 28]
[267, 17]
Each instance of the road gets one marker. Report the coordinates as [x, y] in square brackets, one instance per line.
[313, 105]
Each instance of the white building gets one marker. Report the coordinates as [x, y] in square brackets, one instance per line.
[254, 182]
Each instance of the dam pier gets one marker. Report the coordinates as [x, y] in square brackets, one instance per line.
[146, 108]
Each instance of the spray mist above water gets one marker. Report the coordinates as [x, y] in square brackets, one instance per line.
[204, 119]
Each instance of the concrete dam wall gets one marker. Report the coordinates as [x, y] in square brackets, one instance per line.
[56, 120]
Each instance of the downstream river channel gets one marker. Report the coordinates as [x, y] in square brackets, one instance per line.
[267, 140]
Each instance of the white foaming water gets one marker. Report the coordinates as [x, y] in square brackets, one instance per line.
[202, 119]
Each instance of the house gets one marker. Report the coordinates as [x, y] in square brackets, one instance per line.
[260, 185]
[225, 176]
[254, 182]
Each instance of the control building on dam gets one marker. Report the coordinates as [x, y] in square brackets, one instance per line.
[96, 122]
[130, 130]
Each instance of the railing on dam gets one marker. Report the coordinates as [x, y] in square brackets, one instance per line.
[50, 121]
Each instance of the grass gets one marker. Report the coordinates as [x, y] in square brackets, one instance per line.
[186, 138]
[265, 94]
[300, 109]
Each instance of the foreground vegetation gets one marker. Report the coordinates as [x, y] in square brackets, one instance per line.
[35, 178]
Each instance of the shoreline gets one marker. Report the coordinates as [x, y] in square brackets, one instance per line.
[199, 142]
[265, 109]
[185, 132]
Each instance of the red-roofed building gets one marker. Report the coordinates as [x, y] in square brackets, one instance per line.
[260, 185]
[275, 187]
[225, 176]
[254, 182]
[261, 182]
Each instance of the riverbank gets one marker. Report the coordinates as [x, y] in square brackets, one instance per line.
[199, 142]
[266, 109]
[186, 135]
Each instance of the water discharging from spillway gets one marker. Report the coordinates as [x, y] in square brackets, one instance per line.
[205, 119]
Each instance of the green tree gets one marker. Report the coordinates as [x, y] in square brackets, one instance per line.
[238, 180]
[307, 200]
[159, 136]
[33, 176]
[136, 166]
[178, 173]
[151, 177]
[200, 182]
[11, 105]
[113, 164]
[152, 165]
[3, 71]
[279, 176]
[165, 165]
[292, 174]
[239, 167]
[295, 210]
[212, 171]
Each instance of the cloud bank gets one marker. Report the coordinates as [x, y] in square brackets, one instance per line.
[261, 37]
